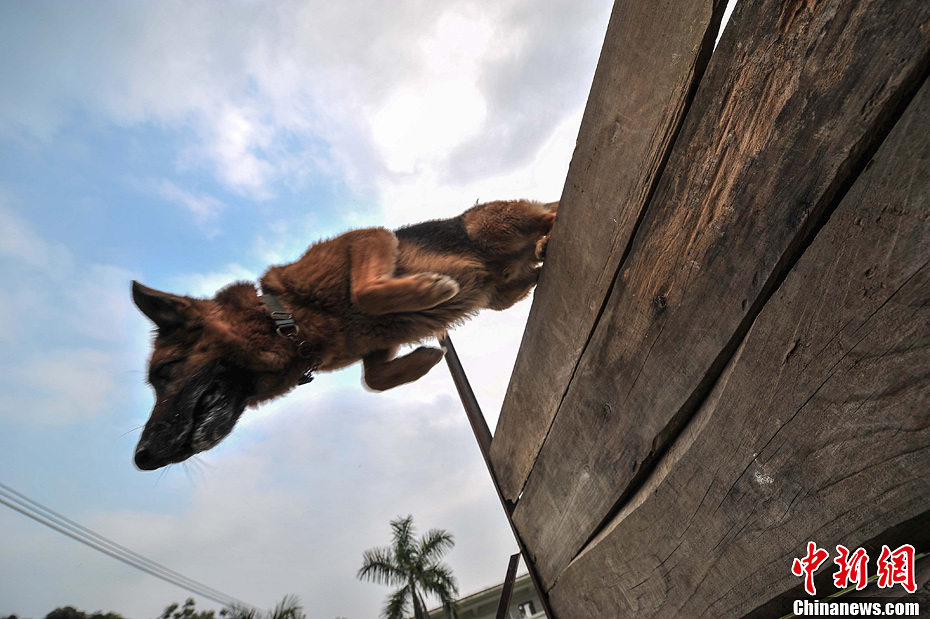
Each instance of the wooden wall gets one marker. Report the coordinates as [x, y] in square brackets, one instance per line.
[729, 348]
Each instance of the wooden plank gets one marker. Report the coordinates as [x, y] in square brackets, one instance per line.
[795, 100]
[819, 431]
[653, 55]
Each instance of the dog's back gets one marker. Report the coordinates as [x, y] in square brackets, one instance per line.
[440, 236]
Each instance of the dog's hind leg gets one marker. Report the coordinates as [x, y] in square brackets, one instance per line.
[383, 371]
[375, 290]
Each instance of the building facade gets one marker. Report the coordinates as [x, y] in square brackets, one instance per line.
[524, 604]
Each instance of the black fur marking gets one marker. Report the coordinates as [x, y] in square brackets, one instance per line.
[441, 236]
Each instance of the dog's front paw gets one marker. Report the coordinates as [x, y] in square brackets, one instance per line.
[440, 288]
[541, 246]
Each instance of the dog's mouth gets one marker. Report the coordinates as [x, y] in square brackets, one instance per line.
[195, 420]
[215, 413]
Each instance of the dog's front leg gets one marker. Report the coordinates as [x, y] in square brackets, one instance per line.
[383, 371]
[375, 290]
[514, 290]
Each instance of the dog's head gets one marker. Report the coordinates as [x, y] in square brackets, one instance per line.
[211, 358]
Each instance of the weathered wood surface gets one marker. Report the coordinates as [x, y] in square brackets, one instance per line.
[795, 99]
[818, 431]
[653, 54]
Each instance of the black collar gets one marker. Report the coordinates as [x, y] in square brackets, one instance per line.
[286, 327]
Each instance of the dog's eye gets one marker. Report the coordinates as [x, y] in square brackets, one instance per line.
[161, 374]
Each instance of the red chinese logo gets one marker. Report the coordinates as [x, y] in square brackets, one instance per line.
[808, 565]
[854, 568]
[894, 567]
[897, 567]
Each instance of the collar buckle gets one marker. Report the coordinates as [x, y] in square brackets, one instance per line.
[289, 331]
[286, 327]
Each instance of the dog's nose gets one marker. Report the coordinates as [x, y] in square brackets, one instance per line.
[144, 460]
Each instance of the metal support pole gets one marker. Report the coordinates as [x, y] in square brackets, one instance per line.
[475, 417]
[507, 592]
[483, 435]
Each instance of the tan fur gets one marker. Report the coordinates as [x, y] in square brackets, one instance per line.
[355, 297]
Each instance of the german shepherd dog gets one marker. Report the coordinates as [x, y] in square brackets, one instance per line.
[358, 296]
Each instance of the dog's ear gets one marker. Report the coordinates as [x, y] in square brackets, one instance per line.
[167, 311]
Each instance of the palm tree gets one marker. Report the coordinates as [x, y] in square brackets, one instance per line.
[288, 608]
[414, 567]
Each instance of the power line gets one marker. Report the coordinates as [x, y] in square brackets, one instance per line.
[52, 519]
[32, 505]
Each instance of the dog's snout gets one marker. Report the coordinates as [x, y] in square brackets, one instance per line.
[144, 459]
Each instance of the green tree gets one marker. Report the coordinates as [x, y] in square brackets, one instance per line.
[70, 612]
[187, 611]
[288, 608]
[414, 567]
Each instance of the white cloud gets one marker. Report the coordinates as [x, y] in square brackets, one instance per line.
[58, 387]
[205, 208]
[94, 301]
[414, 127]
[49, 377]
[207, 284]
[19, 243]
[7, 317]
[425, 95]
[441, 105]
[237, 138]
[428, 195]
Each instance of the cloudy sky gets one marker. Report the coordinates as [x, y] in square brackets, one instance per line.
[190, 144]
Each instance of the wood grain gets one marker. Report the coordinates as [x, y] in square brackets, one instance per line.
[820, 430]
[795, 100]
[654, 53]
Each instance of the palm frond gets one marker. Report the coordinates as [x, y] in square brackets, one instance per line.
[380, 565]
[396, 607]
[435, 544]
[438, 580]
[238, 611]
[403, 538]
[288, 608]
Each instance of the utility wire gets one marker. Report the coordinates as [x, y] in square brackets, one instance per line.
[99, 540]
[32, 505]
[52, 519]
[115, 555]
